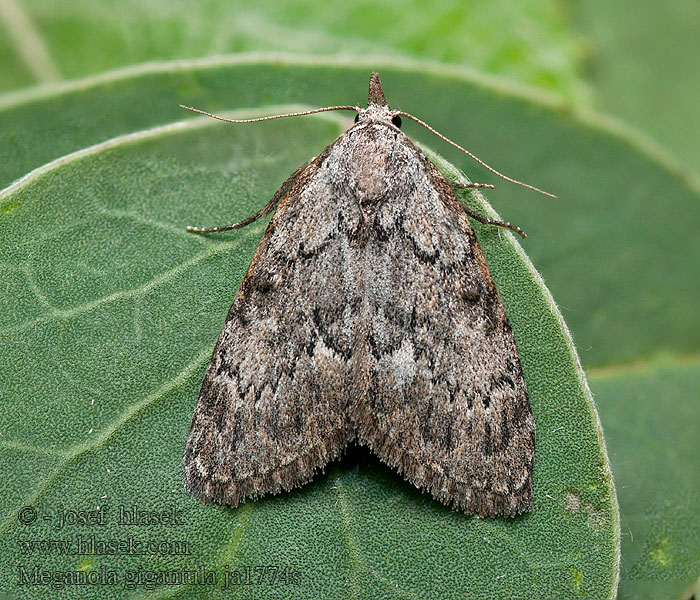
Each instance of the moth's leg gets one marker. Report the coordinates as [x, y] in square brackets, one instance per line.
[487, 221]
[268, 208]
[265, 210]
[464, 186]
[481, 218]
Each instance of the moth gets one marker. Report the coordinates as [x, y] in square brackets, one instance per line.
[368, 313]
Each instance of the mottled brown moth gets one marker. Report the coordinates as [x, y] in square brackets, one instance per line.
[368, 313]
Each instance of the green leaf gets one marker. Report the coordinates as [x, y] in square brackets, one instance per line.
[651, 415]
[111, 317]
[528, 40]
[642, 66]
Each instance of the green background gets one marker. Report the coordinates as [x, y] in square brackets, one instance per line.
[592, 101]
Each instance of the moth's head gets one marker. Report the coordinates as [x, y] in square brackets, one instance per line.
[377, 109]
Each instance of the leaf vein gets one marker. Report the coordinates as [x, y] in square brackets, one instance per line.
[78, 450]
[136, 292]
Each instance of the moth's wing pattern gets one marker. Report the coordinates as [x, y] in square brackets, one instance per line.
[368, 310]
[273, 406]
[443, 396]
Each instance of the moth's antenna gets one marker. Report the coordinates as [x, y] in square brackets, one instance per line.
[273, 203]
[477, 159]
[294, 114]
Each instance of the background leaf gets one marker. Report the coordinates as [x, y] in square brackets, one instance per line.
[649, 407]
[528, 40]
[642, 65]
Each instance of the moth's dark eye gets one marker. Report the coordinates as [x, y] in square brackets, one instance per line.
[396, 121]
[357, 118]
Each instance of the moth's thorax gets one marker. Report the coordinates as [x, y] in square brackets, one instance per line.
[375, 112]
[374, 161]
